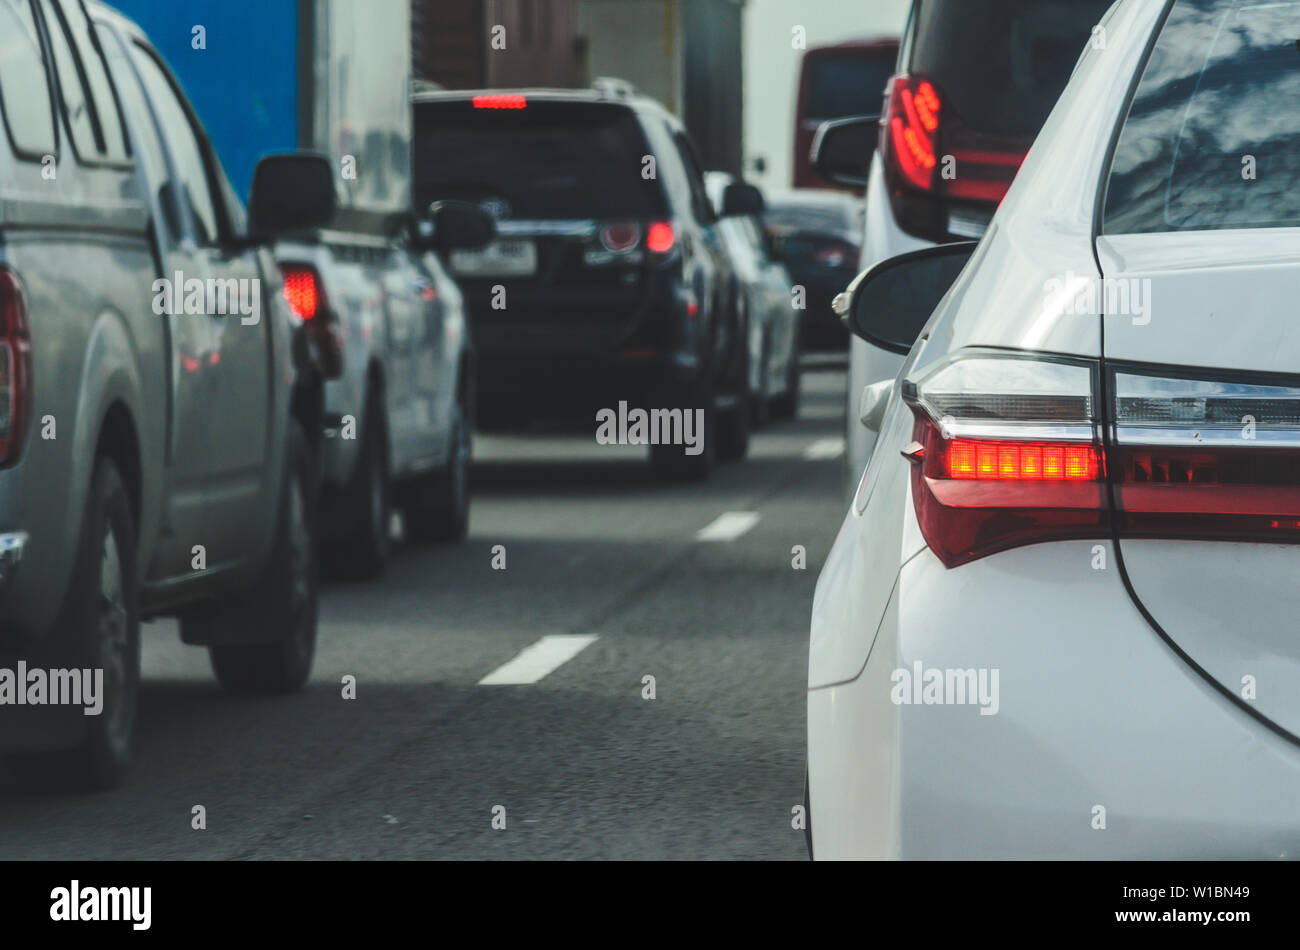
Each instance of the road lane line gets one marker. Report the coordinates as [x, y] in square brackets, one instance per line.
[824, 449]
[543, 657]
[728, 526]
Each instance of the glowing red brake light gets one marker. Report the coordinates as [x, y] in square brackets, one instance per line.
[500, 101]
[306, 297]
[660, 238]
[300, 290]
[1018, 461]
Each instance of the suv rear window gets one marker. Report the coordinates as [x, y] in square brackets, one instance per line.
[847, 84]
[548, 160]
[1212, 140]
[1002, 64]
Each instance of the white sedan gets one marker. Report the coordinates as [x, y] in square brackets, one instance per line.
[1060, 617]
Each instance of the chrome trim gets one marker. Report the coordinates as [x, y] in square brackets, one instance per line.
[1026, 432]
[1191, 437]
[524, 228]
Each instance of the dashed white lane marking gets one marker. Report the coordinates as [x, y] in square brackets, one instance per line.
[824, 449]
[543, 657]
[728, 526]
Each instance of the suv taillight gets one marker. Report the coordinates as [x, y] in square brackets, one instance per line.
[305, 294]
[15, 367]
[1009, 450]
[945, 179]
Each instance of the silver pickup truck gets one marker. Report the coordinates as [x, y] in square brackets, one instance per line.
[160, 404]
[399, 409]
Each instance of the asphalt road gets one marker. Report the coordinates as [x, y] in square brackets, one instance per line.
[583, 765]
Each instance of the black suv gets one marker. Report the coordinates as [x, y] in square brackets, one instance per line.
[607, 283]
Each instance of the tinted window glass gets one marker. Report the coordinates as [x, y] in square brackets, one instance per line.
[545, 161]
[183, 144]
[1213, 138]
[1002, 64]
[840, 86]
[101, 90]
[76, 103]
[24, 92]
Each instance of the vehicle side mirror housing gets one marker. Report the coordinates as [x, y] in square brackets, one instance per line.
[742, 200]
[293, 191]
[842, 149]
[452, 225]
[890, 304]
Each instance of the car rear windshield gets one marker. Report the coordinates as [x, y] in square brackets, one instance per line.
[547, 160]
[1212, 140]
[847, 84]
[1001, 64]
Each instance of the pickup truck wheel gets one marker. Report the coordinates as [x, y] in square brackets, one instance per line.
[671, 462]
[362, 553]
[282, 607]
[100, 631]
[440, 512]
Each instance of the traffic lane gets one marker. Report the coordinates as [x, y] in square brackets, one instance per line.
[577, 548]
[583, 765]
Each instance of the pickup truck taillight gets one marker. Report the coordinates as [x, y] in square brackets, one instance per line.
[1011, 450]
[305, 294]
[15, 367]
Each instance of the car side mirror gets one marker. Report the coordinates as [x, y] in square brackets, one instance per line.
[293, 191]
[452, 225]
[891, 303]
[742, 200]
[842, 148]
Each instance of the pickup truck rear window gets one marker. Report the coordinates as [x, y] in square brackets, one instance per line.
[1212, 140]
[24, 89]
[547, 160]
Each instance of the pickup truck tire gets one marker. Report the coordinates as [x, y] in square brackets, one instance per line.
[362, 553]
[281, 609]
[439, 509]
[670, 462]
[99, 629]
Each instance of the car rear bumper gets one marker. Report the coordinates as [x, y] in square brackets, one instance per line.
[1105, 744]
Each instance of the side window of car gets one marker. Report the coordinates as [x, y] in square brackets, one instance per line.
[695, 174]
[24, 86]
[193, 185]
[143, 134]
[89, 100]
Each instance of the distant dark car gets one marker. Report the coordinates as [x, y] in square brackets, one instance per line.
[608, 281]
[818, 236]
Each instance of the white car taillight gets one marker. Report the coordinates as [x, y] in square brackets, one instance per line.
[15, 367]
[1205, 458]
[1010, 450]
[1005, 452]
